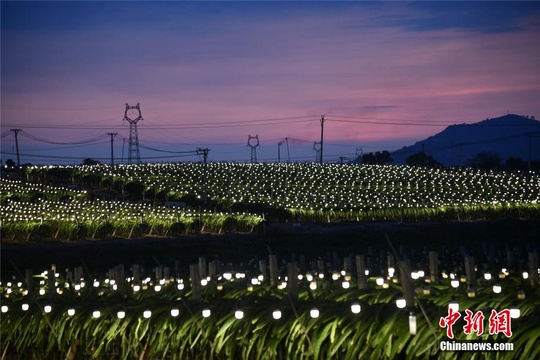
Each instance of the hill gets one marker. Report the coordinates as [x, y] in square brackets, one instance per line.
[508, 136]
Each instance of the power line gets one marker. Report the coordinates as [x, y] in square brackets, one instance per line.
[96, 158]
[65, 147]
[5, 134]
[87, 141]
[408, 122]
[168, 151]
[20, 107]
[199, 125]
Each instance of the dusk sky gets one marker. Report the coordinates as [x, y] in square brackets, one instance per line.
[208, 74]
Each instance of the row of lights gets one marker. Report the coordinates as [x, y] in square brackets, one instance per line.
[431, 180]
[238, 314]
[380, 281]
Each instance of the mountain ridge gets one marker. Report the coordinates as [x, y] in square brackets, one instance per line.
[510, 135]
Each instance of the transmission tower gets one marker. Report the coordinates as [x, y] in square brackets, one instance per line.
[132, 116]
[318, 151]
[253, 143]
[360, 155]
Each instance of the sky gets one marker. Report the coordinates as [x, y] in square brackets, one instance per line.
[210, 74]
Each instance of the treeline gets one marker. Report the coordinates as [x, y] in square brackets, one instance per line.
[482, 161]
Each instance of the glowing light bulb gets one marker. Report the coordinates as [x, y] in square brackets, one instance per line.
[401, 303]
[515, 313]
[239, 314]
[175, 312]
[356, 308]
[276, 314]
[314, 313]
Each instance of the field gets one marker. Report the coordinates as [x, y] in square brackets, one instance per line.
[316, 258]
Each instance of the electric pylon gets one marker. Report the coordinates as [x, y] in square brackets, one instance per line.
[132, 116]
[318, 151]
[253, 143]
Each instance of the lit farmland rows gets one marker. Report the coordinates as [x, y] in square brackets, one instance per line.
[292, 311]
[77, 218]
[332, 186]
[329, 188]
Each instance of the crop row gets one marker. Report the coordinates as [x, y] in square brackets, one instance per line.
[331, 187]
[74, 219]
[28, 221]
[241, 314]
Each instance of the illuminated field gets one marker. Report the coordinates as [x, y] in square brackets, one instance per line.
[240, 196]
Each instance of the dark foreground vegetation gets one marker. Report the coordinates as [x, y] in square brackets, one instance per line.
[170, 323]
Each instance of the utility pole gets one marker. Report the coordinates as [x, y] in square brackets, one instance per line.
[322, 137]
[112, 135]
[529, 135]
[288, 153]
[16, 132]
[204, 152]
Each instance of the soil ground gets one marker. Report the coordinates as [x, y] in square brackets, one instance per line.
[288, 241]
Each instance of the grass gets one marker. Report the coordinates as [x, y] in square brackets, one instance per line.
[380, 330]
